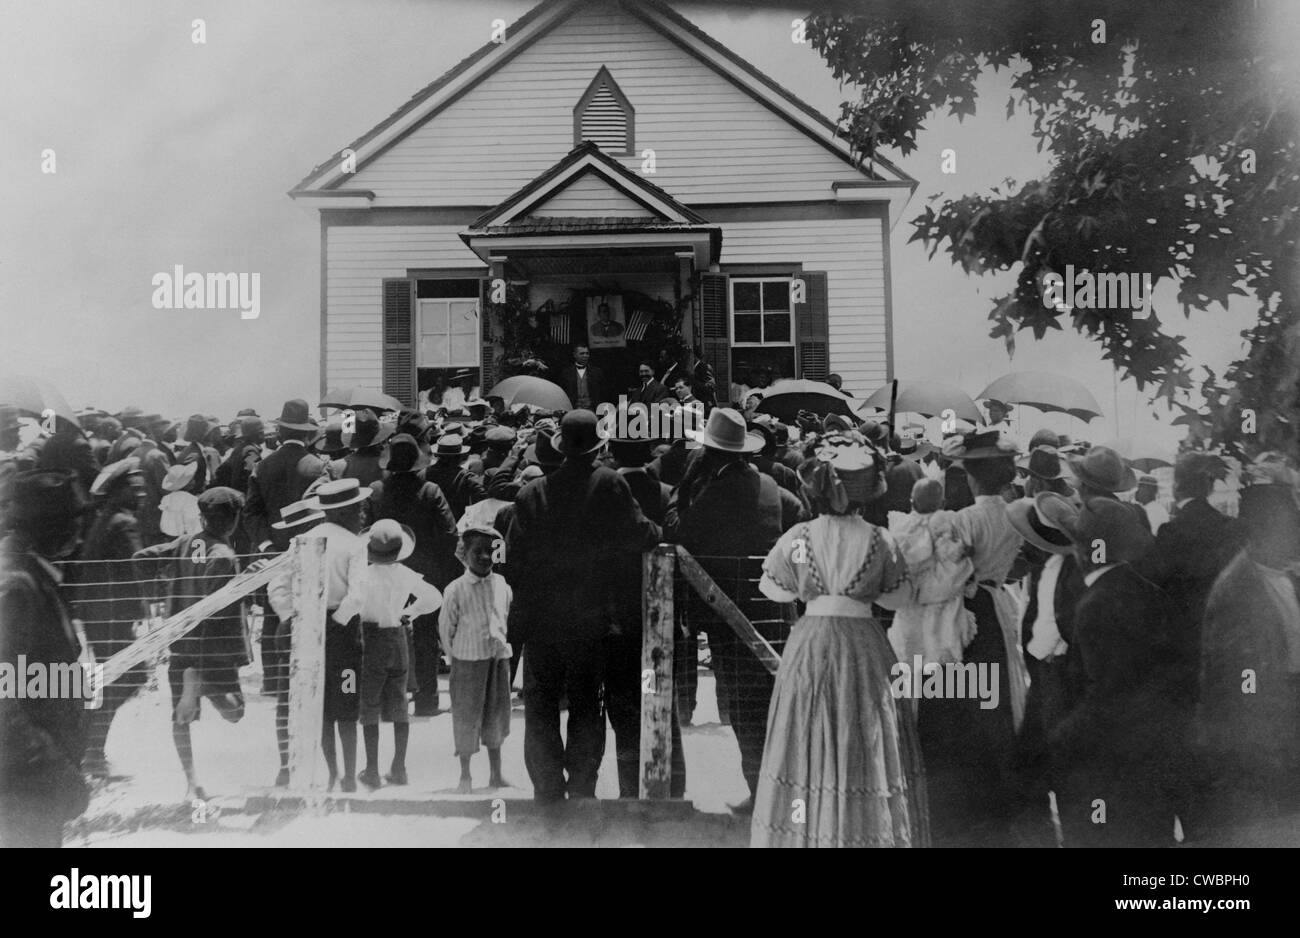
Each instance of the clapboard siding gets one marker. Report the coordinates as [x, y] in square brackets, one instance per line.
[357, 261]
[712, 141]
[589, 195]
[851, 251]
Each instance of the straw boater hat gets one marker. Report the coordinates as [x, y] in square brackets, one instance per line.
[726, 433]
[297, 513]
[450, 444]
[1103, 469]
[846, 471]
[339, 494]
[1028, 520]
[113, 474]
[390, 542]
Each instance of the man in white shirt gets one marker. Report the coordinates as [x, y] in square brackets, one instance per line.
[343, 502]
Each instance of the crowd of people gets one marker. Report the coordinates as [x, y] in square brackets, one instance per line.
[1145, 662]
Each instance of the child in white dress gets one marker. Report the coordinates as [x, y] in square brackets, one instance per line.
[936, 625]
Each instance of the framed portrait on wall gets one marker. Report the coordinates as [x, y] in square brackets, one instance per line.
[606, 322]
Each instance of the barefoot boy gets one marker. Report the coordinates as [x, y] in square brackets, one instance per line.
[473, 629]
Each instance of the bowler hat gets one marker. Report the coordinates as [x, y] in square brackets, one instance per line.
[726, 432]
[579, 434]
[294, 415]
[389, 542]
[1103, 469]
[542, 450]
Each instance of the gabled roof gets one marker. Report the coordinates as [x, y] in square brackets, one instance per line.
[587, 159]
[536, 23]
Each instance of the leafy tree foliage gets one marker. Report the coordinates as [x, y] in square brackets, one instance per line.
[1172, 135]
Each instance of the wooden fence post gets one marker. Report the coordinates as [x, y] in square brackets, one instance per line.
[658, 622]
[307, 662]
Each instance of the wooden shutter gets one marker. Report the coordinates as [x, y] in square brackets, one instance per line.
[487, 358]
[399, 340]
[812, 327]
[715, 315]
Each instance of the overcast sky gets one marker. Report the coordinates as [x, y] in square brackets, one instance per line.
[172, 153]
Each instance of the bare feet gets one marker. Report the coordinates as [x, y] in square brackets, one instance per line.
[466, 786]
[497, 781]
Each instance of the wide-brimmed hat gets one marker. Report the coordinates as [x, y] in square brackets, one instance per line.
[726, 432]
[113, 475]
[40, 499]
[1043, 462]
[367, 430]
[980, 444]
[330, 440]
[1103, 469]
[389, 542]
[461, 375]
[1024, 517]
[179, 476]
[297, 513]
[339, 493]
[845, 471]
[403, 455]
[450, 444]
[1112, 527]
[251, 427]
[295, 415]
[579, 434]
[197, 428]
[1056, 511]
[542, 451]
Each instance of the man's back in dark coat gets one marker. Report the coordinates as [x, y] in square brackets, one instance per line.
[408, 499]
[460, 486]
[280, 479]
[561, 547]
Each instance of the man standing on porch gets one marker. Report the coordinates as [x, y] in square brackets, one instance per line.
[584, 383]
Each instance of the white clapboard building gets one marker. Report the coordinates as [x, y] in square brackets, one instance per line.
[604, 148]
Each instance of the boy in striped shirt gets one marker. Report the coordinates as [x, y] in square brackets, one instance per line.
[472, 625]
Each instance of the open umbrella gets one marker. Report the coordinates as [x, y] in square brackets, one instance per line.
[784, 399]
[38, 399]
[928, 398]
[360, 397]
[1149, 464]
[1050, 393]
[528, 389]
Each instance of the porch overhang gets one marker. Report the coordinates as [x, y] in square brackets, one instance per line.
[596, 245]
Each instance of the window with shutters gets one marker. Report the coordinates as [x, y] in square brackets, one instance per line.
[605, 117]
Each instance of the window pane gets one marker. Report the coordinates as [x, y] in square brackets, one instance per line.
[776, 328]
[464, 350]
[433, 317]
[746, 297]
[464, 319]
[748, 328]
[433, 351]
[776, 295]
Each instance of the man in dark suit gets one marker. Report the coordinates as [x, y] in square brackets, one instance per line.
[567, 528]
[582, 382]
[1122, 752]
[650, 390]
[42, 739]
[1191, 550]
[1250, 675]
[279, 480]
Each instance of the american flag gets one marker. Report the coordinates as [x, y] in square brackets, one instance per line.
[637, 325]
[560, 328]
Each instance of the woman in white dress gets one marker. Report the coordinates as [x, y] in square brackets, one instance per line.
[842, 765]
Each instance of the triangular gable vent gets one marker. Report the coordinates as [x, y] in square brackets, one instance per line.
[605, 116]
